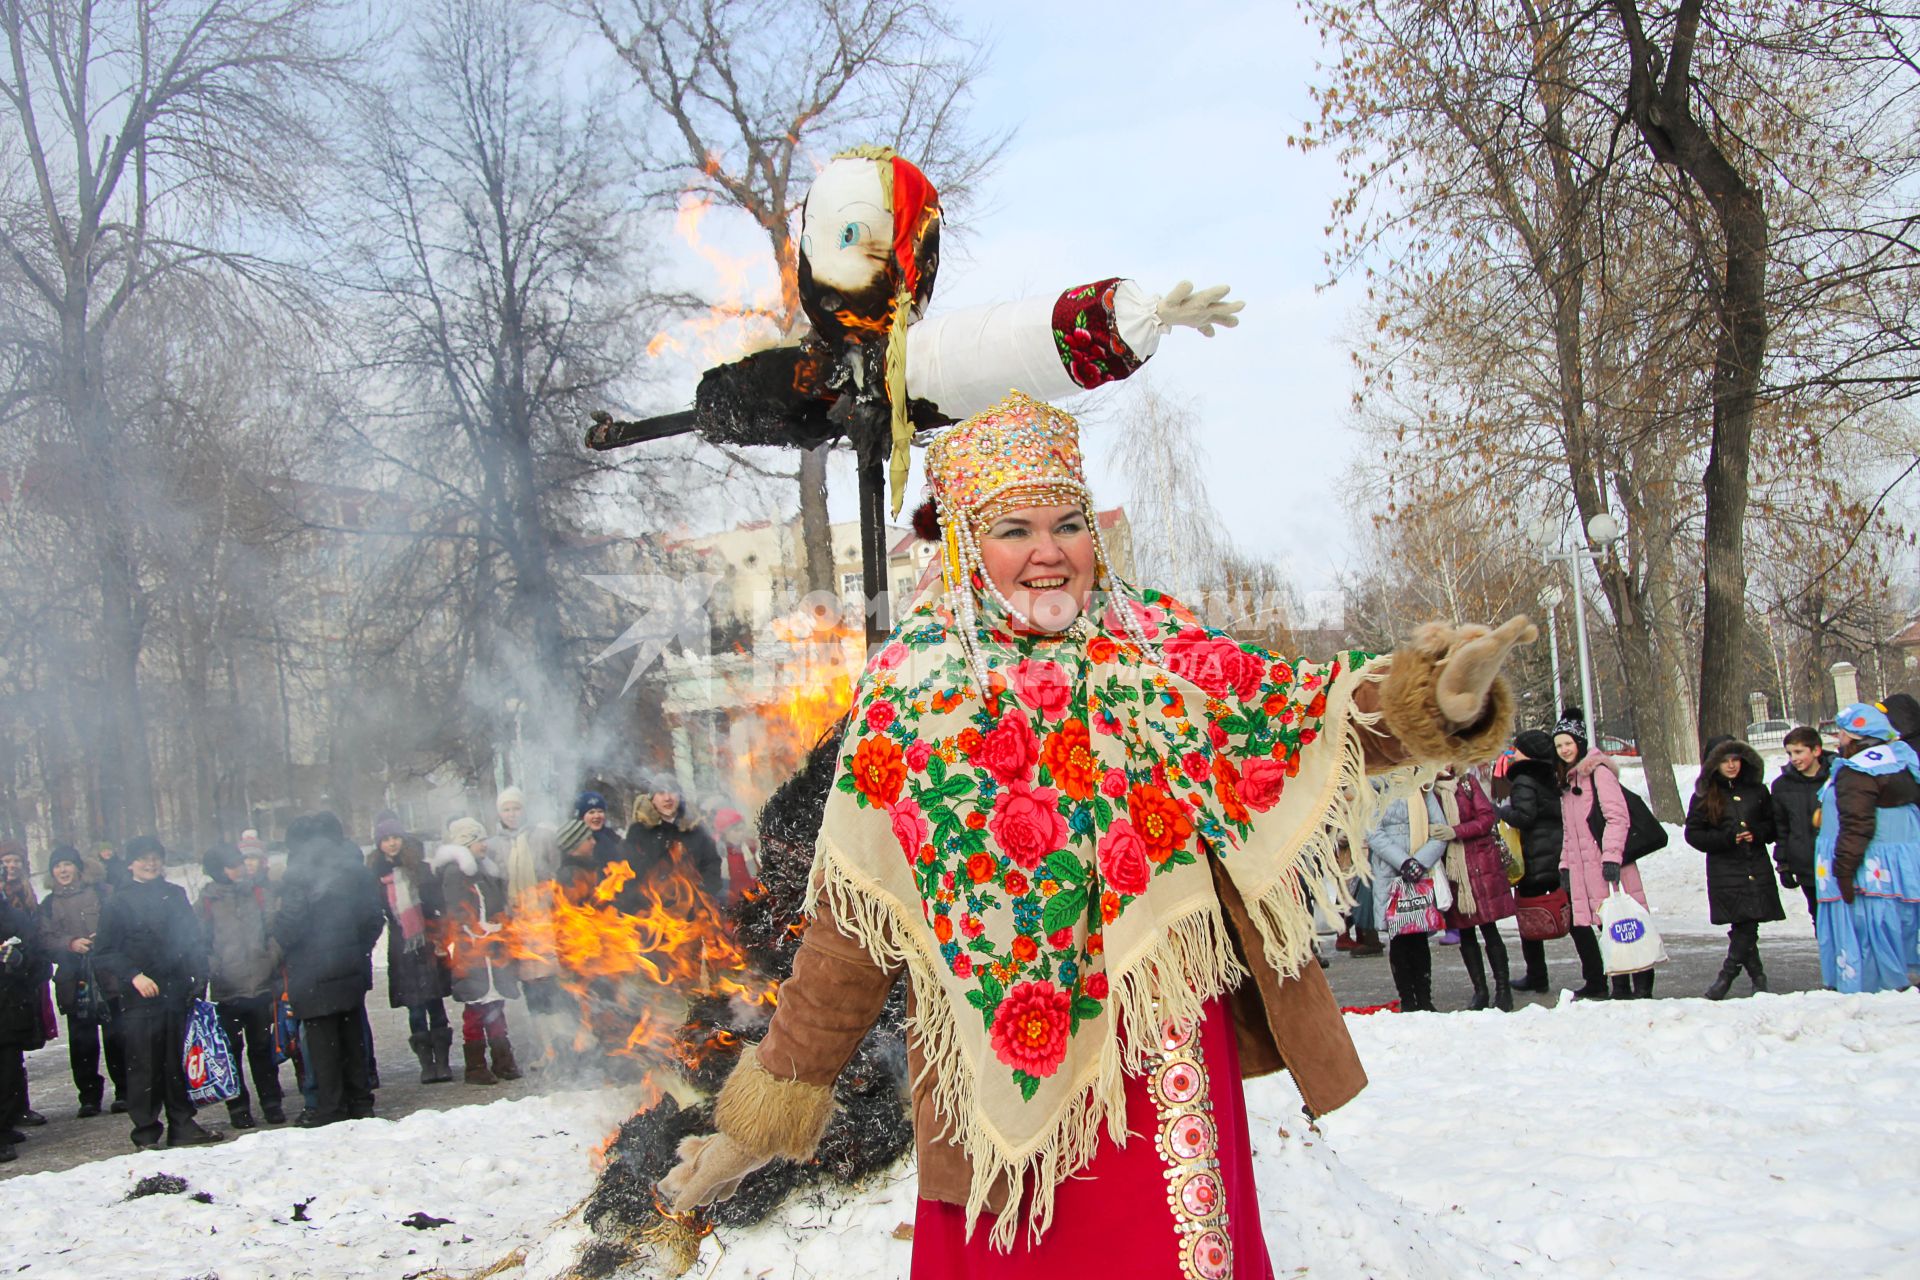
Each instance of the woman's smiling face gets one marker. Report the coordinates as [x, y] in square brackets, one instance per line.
[1041, 559]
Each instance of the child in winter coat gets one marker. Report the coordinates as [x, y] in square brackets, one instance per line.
[417, 978]
[1730, 819]
[474, 890]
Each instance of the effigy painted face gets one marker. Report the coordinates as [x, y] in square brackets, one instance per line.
[1042, 560]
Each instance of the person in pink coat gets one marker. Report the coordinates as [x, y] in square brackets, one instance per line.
[1590, 866]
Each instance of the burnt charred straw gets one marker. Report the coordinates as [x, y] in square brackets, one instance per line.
[871, 1128]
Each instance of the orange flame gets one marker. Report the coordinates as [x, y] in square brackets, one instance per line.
[812, 689]
[633, 952]
[745, 315]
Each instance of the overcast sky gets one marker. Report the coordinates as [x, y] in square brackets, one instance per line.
[1156, 149]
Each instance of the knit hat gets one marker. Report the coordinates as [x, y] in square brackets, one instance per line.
[588, 800]
[663, 781]
[726, 818]
[571, 834]
[218, 859]
[465, 831]
[510, 795]
[1867, 720]
[251, 845]
[146, 847]
[1534, 744]
[1573, 723]
[387, 828]
[64, 853]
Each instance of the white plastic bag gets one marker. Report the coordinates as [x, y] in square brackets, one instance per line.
[1628, 941]
[1442, 888]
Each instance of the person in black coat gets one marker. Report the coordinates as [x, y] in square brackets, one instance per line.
[23, 975]
[152, 947]
[417, 978]
[667, 837]
[331, 914]
[608, 848]
[1730, 819]
[1796, 798]
[1533, 809]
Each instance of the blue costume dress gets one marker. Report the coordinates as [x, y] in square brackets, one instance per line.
[1872, 943]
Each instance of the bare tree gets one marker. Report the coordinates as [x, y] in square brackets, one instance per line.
[144, 141]
[500, 293]
[752, 95]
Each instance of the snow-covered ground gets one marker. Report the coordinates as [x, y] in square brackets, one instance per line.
[1778, 1135]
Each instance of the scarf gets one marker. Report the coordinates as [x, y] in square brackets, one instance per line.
[1455, 861]
[406, 909]
[1037, 856]
[532, 907]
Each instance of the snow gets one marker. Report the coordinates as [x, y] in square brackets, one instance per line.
[1776, 1135]
[500, 1171]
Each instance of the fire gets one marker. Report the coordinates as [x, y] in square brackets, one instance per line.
[749, 298]
[633, 951]
[812, 687]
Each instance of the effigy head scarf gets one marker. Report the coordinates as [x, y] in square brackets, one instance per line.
[869, 254]
[1031, 823]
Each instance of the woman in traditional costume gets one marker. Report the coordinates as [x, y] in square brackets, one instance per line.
[1866, 861]
[1083, 826]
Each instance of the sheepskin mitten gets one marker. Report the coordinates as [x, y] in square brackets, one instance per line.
[1444, 698]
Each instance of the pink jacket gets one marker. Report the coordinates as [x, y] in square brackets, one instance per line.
[1594, 777]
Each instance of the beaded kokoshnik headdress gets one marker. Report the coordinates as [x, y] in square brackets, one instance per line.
[1021, 452]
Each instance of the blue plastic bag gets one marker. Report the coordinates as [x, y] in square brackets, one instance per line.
[212, 1074]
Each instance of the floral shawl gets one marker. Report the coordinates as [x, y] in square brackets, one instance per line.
[1036, 858]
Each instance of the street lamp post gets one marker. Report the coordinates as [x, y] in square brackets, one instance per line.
[1550, 600]
[1601, 530]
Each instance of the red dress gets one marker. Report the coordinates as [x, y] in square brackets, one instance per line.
[1178, 1200]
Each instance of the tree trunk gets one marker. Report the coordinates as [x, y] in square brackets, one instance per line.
[1659, 102]
[816, 531]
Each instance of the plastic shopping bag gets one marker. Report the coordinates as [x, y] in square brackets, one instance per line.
[1410, 909]
[1628, 941]
[212, 1075]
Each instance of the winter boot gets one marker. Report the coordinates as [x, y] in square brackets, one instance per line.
[422, 1045]
[1502, 987]
[1476, 972]
[1369, 943]
[1752, 961]
[477, 1072]
[1729, 970]
[1643, 985]
[503, 1064]
[1535, 978]
[439, 1046]
[240, 1117]
[1622, 987]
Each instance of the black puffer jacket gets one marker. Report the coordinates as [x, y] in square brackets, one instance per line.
[1740, 877]
[331, 914]
[1533, 809]
[1796, 798]
[23, 980]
